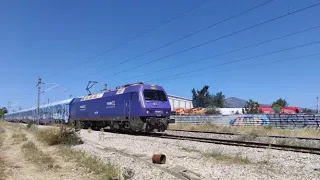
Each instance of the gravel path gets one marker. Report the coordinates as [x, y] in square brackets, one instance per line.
[262, 164]
[16, 167]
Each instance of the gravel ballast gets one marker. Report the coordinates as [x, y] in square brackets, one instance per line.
[251, 137]
[210, 161]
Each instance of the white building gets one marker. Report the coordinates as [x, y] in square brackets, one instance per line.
[229, 111]
[179, 102]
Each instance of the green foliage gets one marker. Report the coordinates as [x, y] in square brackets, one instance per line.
[306, 110]
[30, 123]
[76, 125]
[269, 127]
[212, 111]
[252, 107]
[201, 98]
[204, 99]
[63, 135]
[248, 137]
[280, 103]
[218, 100]
[276, 110]
[3, 111]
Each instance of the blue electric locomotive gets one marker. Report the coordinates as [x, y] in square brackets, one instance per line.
[135, 107]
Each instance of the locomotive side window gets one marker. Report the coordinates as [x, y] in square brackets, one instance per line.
[155, 95]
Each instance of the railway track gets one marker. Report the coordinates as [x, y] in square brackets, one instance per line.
[239, 134]
[300, 149]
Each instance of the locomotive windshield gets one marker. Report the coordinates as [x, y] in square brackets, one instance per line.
[155, 95]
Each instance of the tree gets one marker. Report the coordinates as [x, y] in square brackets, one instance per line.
[204, 99]
[201, 98]
[3, 111]
[280, 103]
[218, 100]
[252, 107]
[306, 110]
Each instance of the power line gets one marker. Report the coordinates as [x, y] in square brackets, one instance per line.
[213, 40]
[184, 37]
[228, 52]
[140, 35]
[278, 61]
[244, 59]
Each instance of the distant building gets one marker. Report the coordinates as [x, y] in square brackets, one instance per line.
[229, 111]
[267, 110]
[179, 102]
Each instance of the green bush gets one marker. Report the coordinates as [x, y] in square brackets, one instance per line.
[212, 111]
[30, 123]
[64, 135]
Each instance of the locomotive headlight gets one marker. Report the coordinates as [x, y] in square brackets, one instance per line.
[147, 112]
[167, 112]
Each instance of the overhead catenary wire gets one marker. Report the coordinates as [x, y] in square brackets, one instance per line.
[239, 60]
[241, 69]
[184, 37]
[139, 35]
[226, 52]
[216, 39]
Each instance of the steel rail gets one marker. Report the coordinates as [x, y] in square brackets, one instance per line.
[239, 134]
[300, 149]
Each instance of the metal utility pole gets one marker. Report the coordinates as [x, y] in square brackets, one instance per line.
[318, 105]
[38, 104]
[48, 101]
[9, 105]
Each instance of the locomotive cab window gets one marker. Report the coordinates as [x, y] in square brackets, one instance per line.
[155, 95]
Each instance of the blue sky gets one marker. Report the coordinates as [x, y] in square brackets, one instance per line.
[53, 39]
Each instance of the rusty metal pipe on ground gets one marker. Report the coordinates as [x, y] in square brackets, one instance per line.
[159, 159]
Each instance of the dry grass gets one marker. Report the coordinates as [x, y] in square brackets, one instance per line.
[190, 150]
[35, 155]
[248, 137]
[237, 159]
[91, 163]
[2, 161]
[55, 136]
[2, 135]
[18, 136]
[265, 130]
[3, 122]
[2, 168]
[293, 142]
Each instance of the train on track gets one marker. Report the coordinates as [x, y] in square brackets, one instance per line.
[136, 107]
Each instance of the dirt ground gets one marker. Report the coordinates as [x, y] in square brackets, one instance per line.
[14, 165]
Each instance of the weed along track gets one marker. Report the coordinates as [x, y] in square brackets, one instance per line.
[240, 134]
[277, 146]
[145, 159]
[241, 143]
